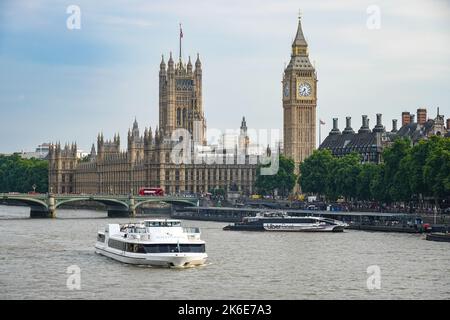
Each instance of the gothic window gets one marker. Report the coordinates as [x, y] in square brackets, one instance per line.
[184, 116]
[178, 116]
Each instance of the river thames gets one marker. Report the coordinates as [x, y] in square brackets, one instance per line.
[35, 255]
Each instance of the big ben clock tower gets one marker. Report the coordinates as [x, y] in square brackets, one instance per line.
[299, 102]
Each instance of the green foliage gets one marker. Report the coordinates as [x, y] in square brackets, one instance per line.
[392, 157]
[19, 175]
[367, 175]
[321, 173]
[283, 181]
[345, 175]
[436, 171]
[315, 172]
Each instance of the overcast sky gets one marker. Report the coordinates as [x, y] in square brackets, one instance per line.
[67, 85]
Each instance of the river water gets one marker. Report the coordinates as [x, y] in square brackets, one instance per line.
[35, 255]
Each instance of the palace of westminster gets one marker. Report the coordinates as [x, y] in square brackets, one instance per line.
[148, 162]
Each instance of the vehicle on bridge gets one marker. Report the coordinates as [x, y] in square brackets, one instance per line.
[156, 242]
[151, 191]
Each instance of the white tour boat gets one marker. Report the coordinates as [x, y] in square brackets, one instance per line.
[156, 242]
[280, 221]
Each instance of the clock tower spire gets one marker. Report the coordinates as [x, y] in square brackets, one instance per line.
[299, 101]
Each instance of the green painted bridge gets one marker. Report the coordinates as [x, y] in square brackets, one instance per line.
[46, 205]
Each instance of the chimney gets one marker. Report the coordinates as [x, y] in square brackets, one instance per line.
[421, 116]
[406, 118]
[448, 124]
[394, 125]
[365, 125]
[335, 127]
[348, 125]
[379, 126]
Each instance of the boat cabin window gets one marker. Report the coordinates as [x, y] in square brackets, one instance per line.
[162, 223]
[100, 237]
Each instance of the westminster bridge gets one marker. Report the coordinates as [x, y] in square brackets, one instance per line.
[46, 205]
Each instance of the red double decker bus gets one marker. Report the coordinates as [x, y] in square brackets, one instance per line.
[146, 191]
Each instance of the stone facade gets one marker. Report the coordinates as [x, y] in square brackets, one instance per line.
[180, 99]
[299, 102]
[147, 161]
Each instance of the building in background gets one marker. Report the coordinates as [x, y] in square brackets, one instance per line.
[369, 143]
[147, 161]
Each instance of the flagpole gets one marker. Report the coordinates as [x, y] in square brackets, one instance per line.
[320, 131]
[180, 41]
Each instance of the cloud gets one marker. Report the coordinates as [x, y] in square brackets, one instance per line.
[109, 70]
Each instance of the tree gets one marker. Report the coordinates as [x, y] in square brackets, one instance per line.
[436, 171]
[418, 155]
[392, 157]
[377, 186]
[283, 181]
[402, 181]
[315, 172]
[344, 174]
[19, 175]
[367, 174]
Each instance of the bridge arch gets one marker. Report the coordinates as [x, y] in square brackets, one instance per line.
[107, 202]
[31, 202]
[170, 201]
[38, 208]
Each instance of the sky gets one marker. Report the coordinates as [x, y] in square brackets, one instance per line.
[67, 85]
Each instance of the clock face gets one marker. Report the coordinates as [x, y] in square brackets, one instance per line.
[286, 90]
[304, 89]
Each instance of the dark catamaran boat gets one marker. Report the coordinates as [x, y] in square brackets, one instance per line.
[280, 221]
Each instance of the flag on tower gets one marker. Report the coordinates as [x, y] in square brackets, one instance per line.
[181, 32]
[322, 122]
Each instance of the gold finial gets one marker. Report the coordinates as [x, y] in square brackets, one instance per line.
[299, 14]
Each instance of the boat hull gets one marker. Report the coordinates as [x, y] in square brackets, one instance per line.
[284, 229]
[178, 260]
[441, 237]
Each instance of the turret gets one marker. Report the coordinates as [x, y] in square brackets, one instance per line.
[170, 69]
[189, 66]
[150, 136]
[243, 125]
[135, 131]
[162, 67]
[198, 65]
[299, 46]
[93, 154]
[156, 136]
